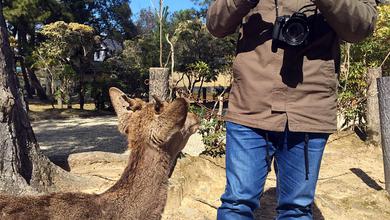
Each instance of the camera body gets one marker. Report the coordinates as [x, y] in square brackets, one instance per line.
[290, 31]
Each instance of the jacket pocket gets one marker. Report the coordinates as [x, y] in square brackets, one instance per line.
[328, 67]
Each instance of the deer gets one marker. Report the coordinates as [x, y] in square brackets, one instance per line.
[156, 133]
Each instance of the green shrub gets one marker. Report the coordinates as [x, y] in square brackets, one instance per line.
[213, 131]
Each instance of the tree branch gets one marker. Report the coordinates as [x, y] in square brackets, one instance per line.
[384, 61]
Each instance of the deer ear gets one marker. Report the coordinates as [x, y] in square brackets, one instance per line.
[123, 107]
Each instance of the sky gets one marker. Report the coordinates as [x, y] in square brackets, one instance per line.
[174, 5]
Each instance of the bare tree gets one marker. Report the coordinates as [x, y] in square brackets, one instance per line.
[161, 31]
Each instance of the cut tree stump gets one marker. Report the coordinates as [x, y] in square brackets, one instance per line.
[373, 122]
[159, 83]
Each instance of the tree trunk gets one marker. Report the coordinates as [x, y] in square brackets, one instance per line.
[81, 98]
[193, 87]
[22, 44]
[80, 67]
[204, 93]
[23, 169]
[26, 81]
[81, 91]
[159, 83]
[68, 98]
[37, 85]
[200, 89]
[384, 107]
[53, 92]
[373, 123]
[34, 83]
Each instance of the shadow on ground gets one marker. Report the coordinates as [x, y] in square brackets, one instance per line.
[268, 206]
[370, 182]
[60, 138]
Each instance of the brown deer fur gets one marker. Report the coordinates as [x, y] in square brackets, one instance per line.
[156, 134]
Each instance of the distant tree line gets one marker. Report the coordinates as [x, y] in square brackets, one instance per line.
[57, 40]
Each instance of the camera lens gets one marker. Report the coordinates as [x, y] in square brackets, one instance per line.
[295, 31]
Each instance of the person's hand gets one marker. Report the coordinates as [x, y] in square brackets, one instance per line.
[254, 2]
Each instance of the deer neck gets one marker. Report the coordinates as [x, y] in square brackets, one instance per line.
[148, 167]
[144, 182]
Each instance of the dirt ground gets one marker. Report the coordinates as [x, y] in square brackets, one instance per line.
[351, 184]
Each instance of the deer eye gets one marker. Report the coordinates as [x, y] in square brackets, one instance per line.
[158, 108]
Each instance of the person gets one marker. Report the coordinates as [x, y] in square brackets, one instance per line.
[282, 104]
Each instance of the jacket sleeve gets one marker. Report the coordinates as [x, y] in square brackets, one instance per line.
[353, 20]
[224, 16]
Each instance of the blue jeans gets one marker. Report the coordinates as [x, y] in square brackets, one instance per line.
[247, 168]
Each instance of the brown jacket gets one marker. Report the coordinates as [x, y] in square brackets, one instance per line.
[297, 85]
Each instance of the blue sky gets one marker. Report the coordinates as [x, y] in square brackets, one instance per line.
[174, 5]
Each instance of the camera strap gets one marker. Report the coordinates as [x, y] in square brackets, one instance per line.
[308, 8]
[277, 8]
[305, 8]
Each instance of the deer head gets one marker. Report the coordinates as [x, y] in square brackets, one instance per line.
[165, 126]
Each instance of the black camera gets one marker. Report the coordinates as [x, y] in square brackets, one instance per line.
[290, 31]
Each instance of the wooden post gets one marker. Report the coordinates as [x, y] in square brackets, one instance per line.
[159, 83]
[384, 110]
[373, 123]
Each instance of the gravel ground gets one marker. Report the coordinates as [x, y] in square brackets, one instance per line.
[76, 135]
